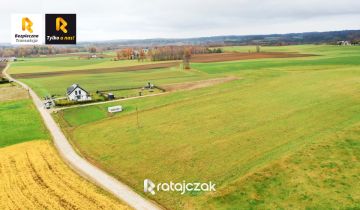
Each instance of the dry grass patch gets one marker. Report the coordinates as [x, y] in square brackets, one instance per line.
[9, 93]
[197, 84]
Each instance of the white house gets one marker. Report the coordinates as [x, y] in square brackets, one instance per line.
[5, 59]
[76, 93]
[344, 43]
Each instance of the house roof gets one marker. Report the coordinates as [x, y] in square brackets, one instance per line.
[71, 89]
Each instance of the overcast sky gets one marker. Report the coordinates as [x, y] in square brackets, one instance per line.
[138, 19]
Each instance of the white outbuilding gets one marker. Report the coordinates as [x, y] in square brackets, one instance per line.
[76, 93]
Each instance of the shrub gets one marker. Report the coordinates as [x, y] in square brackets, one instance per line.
[3, 81]
[65, 102]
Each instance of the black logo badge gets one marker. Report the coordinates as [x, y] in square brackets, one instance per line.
[60, 29]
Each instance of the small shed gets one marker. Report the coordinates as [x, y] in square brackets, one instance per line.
[111, 96]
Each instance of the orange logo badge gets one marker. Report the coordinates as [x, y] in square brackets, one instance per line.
[26, 24]
[61, 24]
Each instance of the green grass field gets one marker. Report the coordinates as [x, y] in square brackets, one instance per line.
[63, 63]
[92, 82]
[19, 119]
[323, 175]
[284, 136]
[20, 122]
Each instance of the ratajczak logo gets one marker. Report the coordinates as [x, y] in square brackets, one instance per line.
[60, 28]
[26, 29]
[182, 187]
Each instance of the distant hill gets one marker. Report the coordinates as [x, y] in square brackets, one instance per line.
[330, 37]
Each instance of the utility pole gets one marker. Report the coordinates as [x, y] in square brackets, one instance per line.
[137, 117]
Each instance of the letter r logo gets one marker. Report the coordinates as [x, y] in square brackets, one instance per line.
[26, 24]
[61, 24]
[149, 186]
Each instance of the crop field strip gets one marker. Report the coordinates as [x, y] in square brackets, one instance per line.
[52, 64]
[201, 58]
[34, 177]
[96, 71]
[234, 56]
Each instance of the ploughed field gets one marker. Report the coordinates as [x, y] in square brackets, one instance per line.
[283, 134]
[32, 175]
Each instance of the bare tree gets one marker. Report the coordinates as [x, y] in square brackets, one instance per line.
[142, 55]
[258, 48]
[92, 49]
[118, 55]
[186, 59]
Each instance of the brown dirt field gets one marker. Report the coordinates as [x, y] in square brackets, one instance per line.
[97, 71]
[197, 84]
[219, 57]
[9, 93]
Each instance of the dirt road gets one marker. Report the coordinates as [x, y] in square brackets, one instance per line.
[80, 165]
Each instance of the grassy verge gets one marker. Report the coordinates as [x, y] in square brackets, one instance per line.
[20, 122]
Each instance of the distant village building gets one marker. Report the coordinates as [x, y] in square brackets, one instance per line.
[76, 93]
[6, 59]
[145, 50]
[136, 54]
[344, 43]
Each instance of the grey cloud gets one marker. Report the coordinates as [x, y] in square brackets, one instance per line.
[119, 19]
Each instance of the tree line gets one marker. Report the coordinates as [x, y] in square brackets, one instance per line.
[28, 51]
[159, 53]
